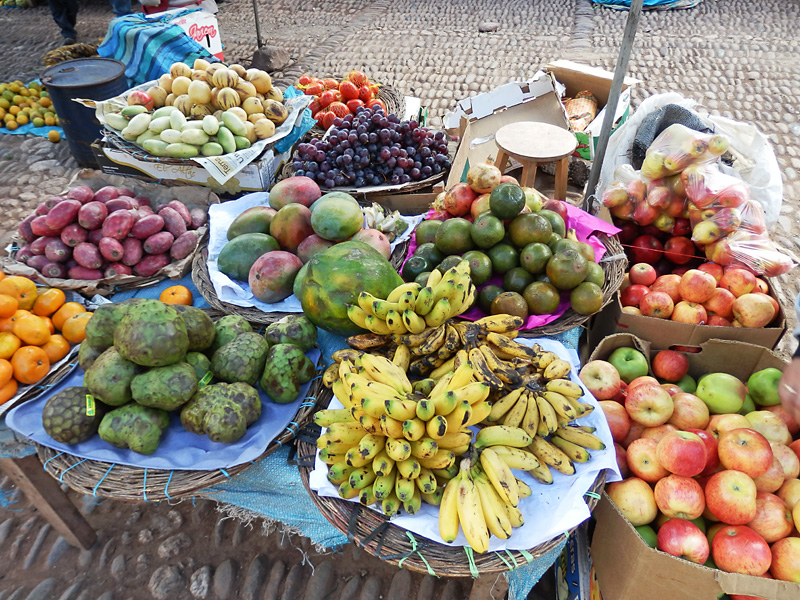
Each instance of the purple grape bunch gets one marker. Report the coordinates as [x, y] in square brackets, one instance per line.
[371, 148]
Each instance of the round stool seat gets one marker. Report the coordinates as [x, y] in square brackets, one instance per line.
[540, 142]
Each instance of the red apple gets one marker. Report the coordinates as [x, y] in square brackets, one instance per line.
[646, 249]
[770, 425]
[761, 286]
[683, 539]
[649, 405]
[739, 549]
[622, 461]
[634, 499]
[712, 457]
[641, 380]
[731, 497]
[634, 434]
[773, 301]
[712, 269]
[658, 196]
[773, 479]
[745, 450]
[792, 425]
[670, 365]
[656, 304]
[622, 394]
[697, 286]
[689, 312]
[669, 283]
[738, 282]
[633, 294]
[720, 303]
[663, 267]
[629, 231]
[556, 206]
[644, 213]
[601, 379]
[753, 310]
[681, 271]
[789, 492]
[718, 424]
[618, 420]
[717, 321]
[642, 274]
[773, 519]
[679, 250]
[788, 460]
[658, 432]
[682, 226]
[786, 559]
[682, 453]
[679, 497]
[672, 388]
[142, 98]
[795, 447]
[689, 412]
[642, 461]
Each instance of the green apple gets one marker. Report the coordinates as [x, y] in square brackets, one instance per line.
[648, 535]
[721, 392]
[629, 363]
[748, 406]
[701, 523]
[763, 386]
[533, 199]
[687, 384]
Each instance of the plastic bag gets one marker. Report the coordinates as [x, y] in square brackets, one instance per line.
[752, 250]
[678, 147]
[707, 186]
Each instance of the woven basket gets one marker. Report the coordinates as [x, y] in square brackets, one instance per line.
[136, 484]
[202, 280]
[375, 532]
[614, 270]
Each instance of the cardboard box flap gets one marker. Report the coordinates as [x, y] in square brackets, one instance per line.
[732, 357]
[620, 340]
[577, 77]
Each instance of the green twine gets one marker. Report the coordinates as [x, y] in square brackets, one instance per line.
[527, 555]
[594, 495]
[473, 569]
[413, 550]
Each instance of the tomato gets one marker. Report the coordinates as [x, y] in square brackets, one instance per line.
[330, 84]
[327, 119]
[319, 114]
[337, 96]
[339, 109]
[314, 89]
[326, 98]
[373, 87]
[365, 93]
[376, 102]
[348, 90]
[354, 104]
[304, 80]
[357, 77]
[314, 106]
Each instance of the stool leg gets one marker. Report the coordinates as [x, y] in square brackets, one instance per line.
[500, 161]
[562, 167]
[528, 177]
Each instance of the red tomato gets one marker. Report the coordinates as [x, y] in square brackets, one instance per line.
[357, 77]
[304, 80]
[314, 106]
[314, 89]
[320, 114]
[348, 90]
[330, 84]
[339, 109]
[376, 102]
[326, 98]
[373, 87]
[327, 119]
[354, 104]
[365, 93]
[337, 96]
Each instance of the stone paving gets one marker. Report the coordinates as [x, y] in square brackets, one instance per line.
[737, 58]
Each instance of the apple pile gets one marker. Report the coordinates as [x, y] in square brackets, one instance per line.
[707, 295]
[710, 467]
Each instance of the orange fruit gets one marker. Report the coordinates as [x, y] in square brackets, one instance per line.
[65, 312]
[48, 302]
[2, 276]
[21, 288]
[56, 348]
[74, 328]
[9, 343]
[31, 330]
[8, 305]
[49, 322]
[176, 294]
[30, 364]
[8, 324]
[6, 372]
[8, 390]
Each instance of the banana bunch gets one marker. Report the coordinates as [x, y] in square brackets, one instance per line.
[390, 443]
[64, 53]
[411, 308]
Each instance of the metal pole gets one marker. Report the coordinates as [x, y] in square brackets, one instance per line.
[613, 96]
[258, 24]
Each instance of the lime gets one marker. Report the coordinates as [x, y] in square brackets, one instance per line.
[542, 298]
[413, 267]
[426, 232]
[553, 241]
[529, 228]
[595, 275]
[504, 258]
[556, 222]
[429, 252]
[506, 201]
[566, 269]
[480, 266]
[510, 303]
[422, 278]
[487, 294]
[449, 262]
[586, 298]
[453, 236]
[534, 257]
[516, 280]
[487, 230]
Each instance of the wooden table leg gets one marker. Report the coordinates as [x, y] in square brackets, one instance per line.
[528, 177]
[500, 161]
[562, 168]
[45, 494]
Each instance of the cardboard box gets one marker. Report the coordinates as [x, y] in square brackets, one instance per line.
[257, 176]
[663, 334]
[626, 566]
[575, 78]
[476, 119]
[201, 26]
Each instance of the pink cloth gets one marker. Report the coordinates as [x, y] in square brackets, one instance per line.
[584, 225]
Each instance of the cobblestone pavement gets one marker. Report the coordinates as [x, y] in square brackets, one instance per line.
[737, 58]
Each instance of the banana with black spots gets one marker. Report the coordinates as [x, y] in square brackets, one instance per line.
[558, 369]
[500, 476]
[565, 387]
[574, 451]
[513, 418]
[394, 295]
[496, 435]
[552, 456]
[578, 435]
[505, 404]
[482, 371]
[470, 515]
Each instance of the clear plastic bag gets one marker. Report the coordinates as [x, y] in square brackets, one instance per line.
[752, 250]
[677, 147]
[706, 186]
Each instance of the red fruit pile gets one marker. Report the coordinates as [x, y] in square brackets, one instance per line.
[334, 98]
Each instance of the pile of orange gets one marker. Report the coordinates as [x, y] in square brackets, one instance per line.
[36, 330]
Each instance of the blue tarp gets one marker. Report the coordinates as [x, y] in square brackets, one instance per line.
[649, 4]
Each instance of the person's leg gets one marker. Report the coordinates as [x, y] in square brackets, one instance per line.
[65, 14]
[121, 7]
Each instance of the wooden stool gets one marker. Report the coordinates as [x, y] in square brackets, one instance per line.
[535, 143]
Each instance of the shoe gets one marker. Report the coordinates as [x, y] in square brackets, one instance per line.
[68, 41]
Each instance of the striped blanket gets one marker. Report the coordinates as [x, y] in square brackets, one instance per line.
[149, 45]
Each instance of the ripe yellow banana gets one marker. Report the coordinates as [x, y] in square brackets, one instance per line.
[494, 509]
[517, 458]
[425, 301]
[496, 435]
[565, 387]
[558, 369]
[444, 402]
[579, 436]
[504, 404]
[436, 427]
[402, 357]
[552, 456]
[513, 418]
[446, 289]
[544, 359]
[408, 468]
[365, 302]
[370, 424]
[366, 496]
[561, 405]
[401, 289]
[414, 504]
[542, 473]
[461, 376]
[459, 416]
[398, 449]
[480, 411]
[459, 302]
[524, 489]
[548, 418]
[361, 478]
[404, 488]
[415, 339]
[425, 409]
[445, 475]
[434, 499]
[390, 505]
[394, 322]
[447, 367]
[358, 315]
[345, 433]
[424, 448]
[440, 312]
[371, 445]
[448, 511]
[530, 422]
[423, 386]
[482, 371]
[354, 458]
[499, 474]
[383, 485]
[426, 481]
[443, 459]
[510, 346]
[413, 429]
[470, 515]
[339, 472]
[455, 439]
[515, 515]
[327, 417]
[574, 451]
[329, 457]
[407, 301]
[434, 278]
[473, 393]
[412, 321]
[330, 375]
[376, 325]
[381, 369]
[500, 323]
[400, 409]
[347, 491]
[382, 464]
